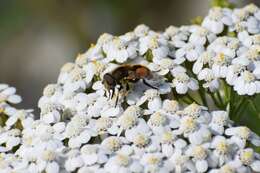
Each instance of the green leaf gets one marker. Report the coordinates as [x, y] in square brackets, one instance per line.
[197, 20]
[251, 116]
[222, 4]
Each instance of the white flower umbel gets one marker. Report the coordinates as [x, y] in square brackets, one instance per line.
[153, 128]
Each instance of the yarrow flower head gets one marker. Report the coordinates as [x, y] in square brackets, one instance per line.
[145, 101]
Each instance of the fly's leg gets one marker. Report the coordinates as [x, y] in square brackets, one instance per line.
[149, 85]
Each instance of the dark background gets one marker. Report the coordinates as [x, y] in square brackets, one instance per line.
[38, 36]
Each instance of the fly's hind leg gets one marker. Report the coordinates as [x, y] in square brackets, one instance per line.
[149, 85]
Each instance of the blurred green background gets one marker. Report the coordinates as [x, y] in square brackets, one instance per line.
[38, 36]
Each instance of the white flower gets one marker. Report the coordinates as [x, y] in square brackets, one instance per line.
[73, 161]
[248, 40]
[141, 30]
[197, 112]
[9, 139]
[111, 144]
[247, 18]
[139, 134]
[222, 149]
[199, 155]
[246, 84]
[93, 68]
[91, 154]
[7, 94]
[211, 81]
[226, 45]
[153, 163]
[241, 135]
[190, 51]
[162, 66]
[117, 49]
[122, 164]
[170, 106]
[153, 98]
[129, 118]
[167, 140]
[51, 112]
[216, 19]
[179, 159]
[200, 136]
[245, 159]
[157, 122]
[187, 125]
[249, 57]
[220, 65]
[25, 117]
[76, 131]
[182, 82]
[204, 59]
[200, 35]
[220, 119]
[156, 43]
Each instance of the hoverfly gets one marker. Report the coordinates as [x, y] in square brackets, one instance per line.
[125, 74]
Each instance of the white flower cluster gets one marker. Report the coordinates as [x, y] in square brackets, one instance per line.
[81, 129]
[12, 120]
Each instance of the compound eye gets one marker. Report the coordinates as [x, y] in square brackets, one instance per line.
[109, 80]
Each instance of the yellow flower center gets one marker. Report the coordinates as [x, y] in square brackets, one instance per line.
[152, 160]
[192, 110]
[141, 140]
[103, 123]
[113, 144]
[199, 152]
[182, 77]
[167, 138]
[171, 105]
[153, 44]
[48, 155]
[244, 132]
[188, 124]
[226, 169]
[157, 119]
[127, 121]
[122, 160]
[220, 59]
[246, 157]
[222, 147]
[251, 8]
[248, 76]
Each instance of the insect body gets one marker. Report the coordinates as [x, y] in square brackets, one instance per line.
[125, 74]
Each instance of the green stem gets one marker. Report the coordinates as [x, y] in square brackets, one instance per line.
[221, 102]
[192, 99]
[231, 104]
[254, 106]
[186, 101]
[202, 94]
[215, 100]
[240, 108]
